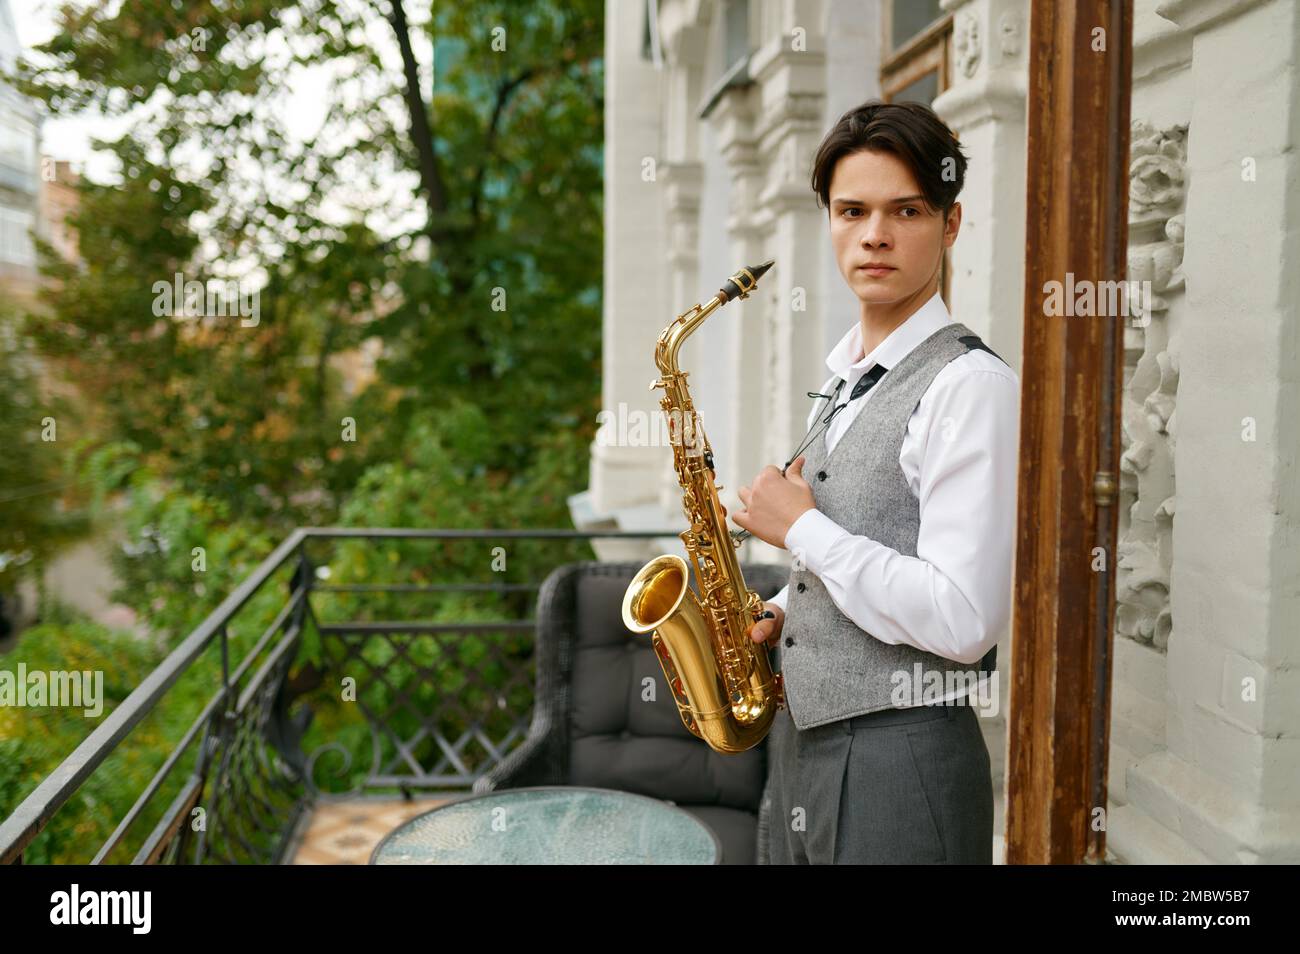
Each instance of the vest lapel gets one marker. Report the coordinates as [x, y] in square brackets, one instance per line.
[892, 375]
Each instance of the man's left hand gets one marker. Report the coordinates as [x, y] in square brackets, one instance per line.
[775, 502]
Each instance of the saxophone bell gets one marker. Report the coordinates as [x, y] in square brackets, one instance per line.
[660, 600]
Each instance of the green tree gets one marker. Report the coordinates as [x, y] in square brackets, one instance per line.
[461, 231]
[489, 295]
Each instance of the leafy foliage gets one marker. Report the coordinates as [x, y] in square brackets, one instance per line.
[466, 257]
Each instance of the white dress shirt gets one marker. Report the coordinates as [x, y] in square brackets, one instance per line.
[959, 457]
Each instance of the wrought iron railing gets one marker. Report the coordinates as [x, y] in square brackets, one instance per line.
[443, 702]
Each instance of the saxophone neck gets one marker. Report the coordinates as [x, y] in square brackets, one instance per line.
[681, 328]
[739, 285]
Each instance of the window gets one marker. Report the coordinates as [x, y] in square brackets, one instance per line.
[914, 66]
[736, 32]
[17, 142]
[908, 19]
[15, 240]
[650, 49]
[923, 89]
[735, 52]
[915, 62]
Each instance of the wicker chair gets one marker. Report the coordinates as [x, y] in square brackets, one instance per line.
[592, 727]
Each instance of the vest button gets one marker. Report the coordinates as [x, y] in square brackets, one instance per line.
[821, 475]
[789, 640]
[802, 587]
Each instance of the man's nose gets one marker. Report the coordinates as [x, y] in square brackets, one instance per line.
[874, 233]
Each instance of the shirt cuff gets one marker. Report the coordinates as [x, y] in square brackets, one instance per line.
[811, 536]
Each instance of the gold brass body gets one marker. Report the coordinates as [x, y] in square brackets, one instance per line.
[721, 680]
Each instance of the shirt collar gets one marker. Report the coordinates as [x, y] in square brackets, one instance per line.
[922, 323]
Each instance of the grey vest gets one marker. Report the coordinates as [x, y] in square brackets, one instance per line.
[831, 668]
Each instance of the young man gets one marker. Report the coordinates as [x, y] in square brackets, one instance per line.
[900, 517]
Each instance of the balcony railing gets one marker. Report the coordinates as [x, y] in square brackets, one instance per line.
[443, 702]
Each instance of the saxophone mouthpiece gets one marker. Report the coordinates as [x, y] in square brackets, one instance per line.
[744, 281]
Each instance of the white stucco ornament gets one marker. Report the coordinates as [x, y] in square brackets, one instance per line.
[1158, 158]
[966, 43]
[1009, 34]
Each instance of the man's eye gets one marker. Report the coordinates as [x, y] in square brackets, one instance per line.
[910, 208]
[847, 211]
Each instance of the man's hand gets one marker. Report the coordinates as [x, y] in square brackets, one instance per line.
[769, 630]
[775, 502]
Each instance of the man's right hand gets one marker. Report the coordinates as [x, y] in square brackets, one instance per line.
[768, 630]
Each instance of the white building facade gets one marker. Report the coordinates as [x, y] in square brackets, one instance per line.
[714, 109]
[20, 126]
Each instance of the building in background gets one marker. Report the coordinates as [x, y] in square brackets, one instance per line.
[58, 205]
[20, 128]
[714, 109]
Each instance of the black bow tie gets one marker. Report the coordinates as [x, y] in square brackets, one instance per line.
[867, 381]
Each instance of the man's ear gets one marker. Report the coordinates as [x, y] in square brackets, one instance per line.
[952, 225]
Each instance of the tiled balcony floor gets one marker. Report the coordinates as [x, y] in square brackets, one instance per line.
[345, 833]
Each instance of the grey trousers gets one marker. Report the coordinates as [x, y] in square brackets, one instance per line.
[899, 786]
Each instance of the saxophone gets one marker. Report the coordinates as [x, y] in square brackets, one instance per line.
[721, 680]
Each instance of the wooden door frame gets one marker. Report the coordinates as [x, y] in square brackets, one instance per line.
[1072, 379]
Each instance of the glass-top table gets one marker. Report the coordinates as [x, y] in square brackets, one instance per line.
[551, 824]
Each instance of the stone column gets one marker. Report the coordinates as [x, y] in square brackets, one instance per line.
[985, 106]
[1225, 788]
[733, 120]
[685, 44]
[635, 297]
[790, 72]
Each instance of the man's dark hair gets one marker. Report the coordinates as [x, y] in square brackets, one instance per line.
[910, 131]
